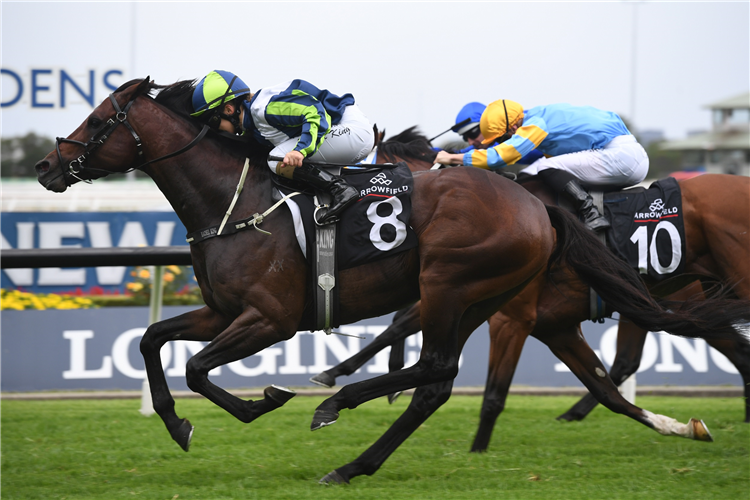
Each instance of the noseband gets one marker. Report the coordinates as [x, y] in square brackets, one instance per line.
[77, 165]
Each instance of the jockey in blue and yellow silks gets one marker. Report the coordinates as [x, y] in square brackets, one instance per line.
[472, 134]
[297, 120]
[580, 143]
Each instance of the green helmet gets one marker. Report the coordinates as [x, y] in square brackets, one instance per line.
[216, 88]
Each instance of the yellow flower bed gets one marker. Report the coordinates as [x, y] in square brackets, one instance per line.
[19, 301]
[179, 289]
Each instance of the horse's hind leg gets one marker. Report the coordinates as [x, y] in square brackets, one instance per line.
[202, 324]
[438, 362]
[425, 401]
[405, 323]
[630, 342]
[569, 346]
[739, 354]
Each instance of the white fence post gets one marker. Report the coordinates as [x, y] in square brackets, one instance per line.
[627, 389]
[154, 315]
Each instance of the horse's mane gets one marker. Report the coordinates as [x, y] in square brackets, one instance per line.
[178, 96]
[411, 143]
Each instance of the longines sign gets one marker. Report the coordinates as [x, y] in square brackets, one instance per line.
[99, 349]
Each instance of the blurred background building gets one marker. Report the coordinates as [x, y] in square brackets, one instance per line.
[725, 148]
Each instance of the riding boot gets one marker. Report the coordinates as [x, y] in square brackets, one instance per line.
[341, 192]
[586, 208]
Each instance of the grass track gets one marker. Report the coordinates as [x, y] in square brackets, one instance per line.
[107, 450]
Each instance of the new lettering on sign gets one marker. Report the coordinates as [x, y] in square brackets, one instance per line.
[82, 230]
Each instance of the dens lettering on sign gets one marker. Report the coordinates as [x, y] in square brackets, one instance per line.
[49, 88]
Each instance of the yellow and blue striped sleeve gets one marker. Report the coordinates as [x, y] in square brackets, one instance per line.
[526, 139]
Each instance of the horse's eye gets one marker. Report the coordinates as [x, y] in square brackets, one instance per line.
[94, 122]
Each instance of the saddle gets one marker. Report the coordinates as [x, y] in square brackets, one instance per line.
[375, 227]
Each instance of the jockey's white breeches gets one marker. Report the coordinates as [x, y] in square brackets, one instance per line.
[621, 162]
[349, 141]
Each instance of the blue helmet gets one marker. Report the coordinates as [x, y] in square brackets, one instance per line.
[473, 112]
[216, 88]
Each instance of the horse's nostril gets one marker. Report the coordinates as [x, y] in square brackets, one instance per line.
[42, 167]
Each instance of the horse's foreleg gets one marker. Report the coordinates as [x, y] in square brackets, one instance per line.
[630, 341]
[404, 324]
[425, 401]
[570, 347]
[202, 324]
[507, 337]
[250, 333]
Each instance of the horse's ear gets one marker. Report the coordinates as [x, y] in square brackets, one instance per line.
[378, 135]
[143, 86]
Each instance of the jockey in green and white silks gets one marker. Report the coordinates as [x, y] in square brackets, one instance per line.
[299, 121]
[298, 116]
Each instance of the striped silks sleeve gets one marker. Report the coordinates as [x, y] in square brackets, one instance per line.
[299, 113]
[526, 139]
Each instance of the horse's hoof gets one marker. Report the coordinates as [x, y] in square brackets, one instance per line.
[567, 417]
[699, 430]
[393, 397]
[323, 418]
[279, 394]
[324, 380]
[184, 434]
[333, 477]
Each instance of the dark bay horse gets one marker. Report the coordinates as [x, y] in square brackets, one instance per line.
[482, 239]
[717, 246]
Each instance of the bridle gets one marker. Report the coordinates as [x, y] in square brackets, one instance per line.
[77, 165]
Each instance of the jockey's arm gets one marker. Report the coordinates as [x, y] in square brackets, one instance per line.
[446, 158]
[305, 111]
[521, 143]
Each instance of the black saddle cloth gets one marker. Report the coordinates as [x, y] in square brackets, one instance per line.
[376, 226]
[648, 229]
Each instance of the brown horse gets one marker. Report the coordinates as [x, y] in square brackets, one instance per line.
[481, 240]
[717, 234]
[717, 247]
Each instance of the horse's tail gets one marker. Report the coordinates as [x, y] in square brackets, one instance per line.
[622, 288]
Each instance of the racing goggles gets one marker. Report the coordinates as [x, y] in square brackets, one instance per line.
[472, 133]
